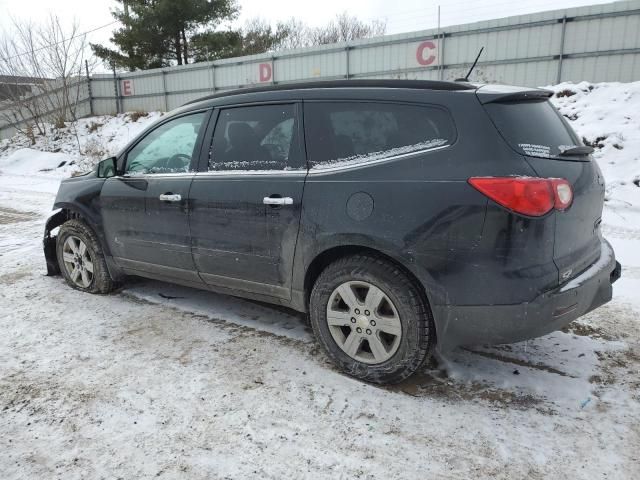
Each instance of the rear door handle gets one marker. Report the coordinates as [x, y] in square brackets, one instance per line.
[170, 197]
[277, 201]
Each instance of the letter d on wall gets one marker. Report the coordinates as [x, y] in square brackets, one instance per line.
[265, 72]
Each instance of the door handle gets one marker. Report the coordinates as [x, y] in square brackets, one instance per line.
[170, 197]
[277, 201]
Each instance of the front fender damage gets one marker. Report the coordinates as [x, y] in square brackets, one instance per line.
[49, 241]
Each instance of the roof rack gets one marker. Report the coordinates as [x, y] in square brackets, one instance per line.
[365, 83]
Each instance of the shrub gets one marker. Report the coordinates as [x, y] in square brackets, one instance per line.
[135, 116]
[30, 134]
[59, 122]
[565, 93]
[597, 143]
[94, 150]
[93, 126]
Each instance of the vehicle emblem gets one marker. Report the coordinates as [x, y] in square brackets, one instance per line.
[566, 274]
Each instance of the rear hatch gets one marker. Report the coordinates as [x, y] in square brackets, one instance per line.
[534, 129]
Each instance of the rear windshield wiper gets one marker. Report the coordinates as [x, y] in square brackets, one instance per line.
[577, 150]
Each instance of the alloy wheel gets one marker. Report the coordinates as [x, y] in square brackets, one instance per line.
[364, 322]
[77, 261]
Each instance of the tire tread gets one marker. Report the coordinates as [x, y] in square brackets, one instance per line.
[359, 264]
[103, 283]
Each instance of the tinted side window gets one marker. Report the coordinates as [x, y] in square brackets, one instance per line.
[338, 132]
[259, 137]
[167, 149]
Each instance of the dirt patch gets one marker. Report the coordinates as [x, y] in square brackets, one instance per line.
[434, 383]
[583, 330]
[12, 277]
[618, 367]
[9, 215]
[517, 361]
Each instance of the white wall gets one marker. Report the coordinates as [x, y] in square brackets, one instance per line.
[595, 43]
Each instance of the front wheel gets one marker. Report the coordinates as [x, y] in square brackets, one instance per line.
[81, 259]
[371, 319]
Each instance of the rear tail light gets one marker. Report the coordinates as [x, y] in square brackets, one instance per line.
[526, 195]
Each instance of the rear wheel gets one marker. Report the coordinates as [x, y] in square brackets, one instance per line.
[371, 319]
[81, 259]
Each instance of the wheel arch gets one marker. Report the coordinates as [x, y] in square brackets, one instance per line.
[65, 212]
[330, 255]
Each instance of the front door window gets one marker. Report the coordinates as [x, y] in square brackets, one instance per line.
[167, 149]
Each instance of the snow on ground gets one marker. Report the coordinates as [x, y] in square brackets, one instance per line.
[166, 381]
[74, 149]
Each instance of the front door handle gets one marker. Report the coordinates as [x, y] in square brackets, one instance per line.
[277, 201]
[170, 197]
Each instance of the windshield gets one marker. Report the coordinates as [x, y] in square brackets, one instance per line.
[533, 127]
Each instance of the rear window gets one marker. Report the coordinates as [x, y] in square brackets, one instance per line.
[533, 127]
[340, 133]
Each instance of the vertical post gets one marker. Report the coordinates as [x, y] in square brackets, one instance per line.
[439, 46]
[273, 70]
[213, 77]
[115, 88]
[564, 29]
[86, 68]
[348, 66]
[441, 54]
[164, 90]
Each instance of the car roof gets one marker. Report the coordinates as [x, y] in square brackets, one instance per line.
[364, 83]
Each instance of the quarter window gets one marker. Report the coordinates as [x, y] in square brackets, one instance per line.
[360, 132]
[167, 149]
[256, 138]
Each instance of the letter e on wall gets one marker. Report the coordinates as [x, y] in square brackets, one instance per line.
[127, 88]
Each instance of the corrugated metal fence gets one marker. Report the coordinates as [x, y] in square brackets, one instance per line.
[595, 43]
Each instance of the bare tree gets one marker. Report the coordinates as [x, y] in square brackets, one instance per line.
[295, 34]
[344, 29]
[258, 36]
[51, 56]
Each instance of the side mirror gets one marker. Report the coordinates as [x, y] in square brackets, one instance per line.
[107, 168]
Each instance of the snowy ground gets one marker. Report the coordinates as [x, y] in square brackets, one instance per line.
[138, 385]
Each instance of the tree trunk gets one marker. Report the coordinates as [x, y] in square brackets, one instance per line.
[184, 48]
[178, 47]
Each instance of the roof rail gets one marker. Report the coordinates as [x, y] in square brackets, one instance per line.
[365, 83]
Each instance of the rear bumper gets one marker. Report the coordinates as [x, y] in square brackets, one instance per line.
[552, 310]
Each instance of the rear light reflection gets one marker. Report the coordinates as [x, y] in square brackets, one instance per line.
[563, 192]
[526, 195]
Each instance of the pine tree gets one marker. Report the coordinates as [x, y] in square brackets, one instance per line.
[157, 33]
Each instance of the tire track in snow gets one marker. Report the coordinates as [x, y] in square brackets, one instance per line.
[621, 232]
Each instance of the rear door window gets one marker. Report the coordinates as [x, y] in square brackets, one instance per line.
[532, 127]
[254, 138]
[360, 132]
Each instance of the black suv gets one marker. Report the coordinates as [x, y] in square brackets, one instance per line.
[398, 214]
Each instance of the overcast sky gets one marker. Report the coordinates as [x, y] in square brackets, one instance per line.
[400, 15]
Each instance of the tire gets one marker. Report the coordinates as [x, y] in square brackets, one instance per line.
[402, 322]
[88, 270]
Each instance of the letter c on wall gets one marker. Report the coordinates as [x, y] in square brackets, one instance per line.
[420, 53]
